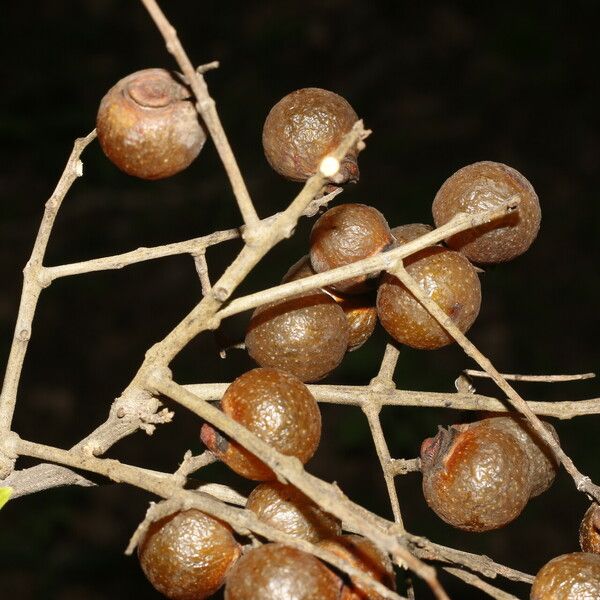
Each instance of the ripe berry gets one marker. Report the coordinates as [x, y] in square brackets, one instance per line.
[446, 277]
[542, 462]
[360, 309]
[345, 234]
[589, 531]
[147, 125]
[278, 572]
[306, 334]
[288, 509]
[362, 554]
[278, 408]
[187, 555]
[407, 233]
[574, 576]
[303, 128]
[475, 477]
[482, 186]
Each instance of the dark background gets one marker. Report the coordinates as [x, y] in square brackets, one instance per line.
[441, 85]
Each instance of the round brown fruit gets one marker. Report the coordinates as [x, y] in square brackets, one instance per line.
[147, 125]
[543, 465]
[345, 234]
[364, 555]
[187, 555]
[288, 509]
[275, 406]
[407, 233]
[589, 531]
[360, 309]
[483, 186]
[446, 277]
[476, 476]
[278, 572]
[303, 128]
[574, 576]
[306, 334]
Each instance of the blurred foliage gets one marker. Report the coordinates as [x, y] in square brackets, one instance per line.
[441, 84]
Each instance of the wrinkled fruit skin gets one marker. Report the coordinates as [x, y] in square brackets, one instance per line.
[542, 462]
[449, 279]
[360, 309]
[279, 409]
[187, 555]
[303, 128]
[475, 477]
[574, 576]
[288, 509]
[277, 572]
[345, 234]
[482, 186]
[147, 125]
[306, 334]
[589, 531]
[362, 554]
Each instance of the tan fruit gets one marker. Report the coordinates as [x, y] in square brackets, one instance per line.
[345, 234]
[306, 334]
[147, 125]
[279, 409]
[362, 554]
[278, 572]
[360, 309]
[589, 531]
[542, 462]
[446, 277]
[303, 128]
[482, 186]
[187, 555]
[288, 509]
[574, 576]
[407, 233]
[475, 477]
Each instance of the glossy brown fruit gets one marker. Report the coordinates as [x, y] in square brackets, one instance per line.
[359, 309]
[345, 234]
[542, 462]
[306, 334]
[481, 186]
[589, 531]
[278, 572]
[288, 509]
[476, 476]
[446, 277]
[303, 128]
[574, 576]
[147, 125]
[407, 233]
[362, 554]
[279, 409]
[187, 555]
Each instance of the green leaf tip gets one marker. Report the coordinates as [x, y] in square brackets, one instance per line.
[5, 494]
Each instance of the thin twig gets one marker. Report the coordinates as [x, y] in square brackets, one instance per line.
[207, 109]
[354, 395]
[120, 261]
[383, 261]
[32, 287]
[533, 378]
[402, 466]
[477, 582]
[372, 409]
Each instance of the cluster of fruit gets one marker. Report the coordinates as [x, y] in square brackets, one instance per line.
[476, 477]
